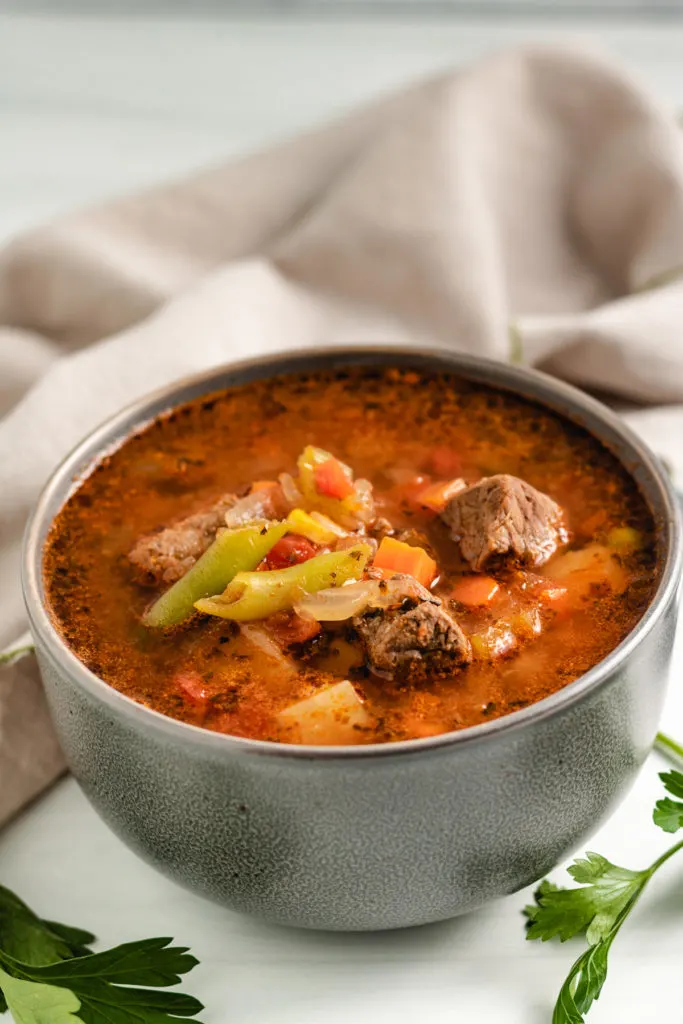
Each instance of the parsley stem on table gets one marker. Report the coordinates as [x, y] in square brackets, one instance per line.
[668, 747]
[602, 902]
[18, 652]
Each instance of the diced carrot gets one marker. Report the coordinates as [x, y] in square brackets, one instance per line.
[437, 496]
[191, 685]
[475, 591]
[291, 550]
[444, 462]
[331, 481]
[263, 485]
[402, 558]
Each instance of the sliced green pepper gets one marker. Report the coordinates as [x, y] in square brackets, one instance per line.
[256, 595]
[232, 552]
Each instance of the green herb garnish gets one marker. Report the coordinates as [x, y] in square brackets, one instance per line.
[600, 905]
[49, 974]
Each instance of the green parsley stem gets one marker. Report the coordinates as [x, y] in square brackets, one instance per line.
[18, 652]
[669, 748]
[665, 856]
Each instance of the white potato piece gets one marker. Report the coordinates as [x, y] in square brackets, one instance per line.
[331, 717]
[579, 570]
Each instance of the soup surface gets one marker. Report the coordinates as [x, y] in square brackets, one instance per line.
[358, 556]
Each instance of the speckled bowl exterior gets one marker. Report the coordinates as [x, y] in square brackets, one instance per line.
[381, 836]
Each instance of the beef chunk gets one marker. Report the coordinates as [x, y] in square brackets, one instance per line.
[165, 556]
[414, 639]
[503, 518]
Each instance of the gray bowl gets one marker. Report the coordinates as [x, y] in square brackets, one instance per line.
[379, 836]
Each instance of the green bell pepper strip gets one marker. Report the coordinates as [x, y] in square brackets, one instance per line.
[256, 595]
[232, 552]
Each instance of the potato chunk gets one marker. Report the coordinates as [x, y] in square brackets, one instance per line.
[334, 716]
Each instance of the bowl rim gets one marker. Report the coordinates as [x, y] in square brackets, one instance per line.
[564, 399]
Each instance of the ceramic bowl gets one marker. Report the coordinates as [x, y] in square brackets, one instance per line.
[379, 836]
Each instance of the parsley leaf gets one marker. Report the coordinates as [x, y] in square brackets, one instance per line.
[25, 937]
[593, 908]
[49, 975]
[599, 906]
[668, 814]
[39, 1004]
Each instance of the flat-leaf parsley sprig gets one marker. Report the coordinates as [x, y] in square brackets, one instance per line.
[49, 974]
[601, 904]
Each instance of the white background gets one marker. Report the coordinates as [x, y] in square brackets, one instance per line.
[95, 107]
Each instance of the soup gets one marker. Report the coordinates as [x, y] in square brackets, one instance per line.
[350, 557]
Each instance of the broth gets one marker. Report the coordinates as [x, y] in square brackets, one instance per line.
[405, 432]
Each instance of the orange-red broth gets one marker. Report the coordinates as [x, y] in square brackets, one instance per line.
[401, 430]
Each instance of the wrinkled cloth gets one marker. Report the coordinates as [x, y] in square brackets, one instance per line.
[528, 207]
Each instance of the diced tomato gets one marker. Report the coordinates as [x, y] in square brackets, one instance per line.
[403, 558]
[331, 481]
[191, 685]
[474, 591]
[288, 628]
[444, 462]
[437, 496]
[291, 550]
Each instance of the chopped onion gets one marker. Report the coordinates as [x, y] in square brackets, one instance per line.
[259, 638]
[350, 540]
[337, 604]
[362, 501]
[290, 490]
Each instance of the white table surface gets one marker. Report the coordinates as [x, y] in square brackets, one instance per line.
[91, 108]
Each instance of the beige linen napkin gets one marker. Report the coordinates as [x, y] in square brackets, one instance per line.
[541, 190]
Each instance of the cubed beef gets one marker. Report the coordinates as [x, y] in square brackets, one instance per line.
[503, 519]
[165, 556]
[415, 639]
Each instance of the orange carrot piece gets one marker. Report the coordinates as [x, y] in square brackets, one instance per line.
[474, 591]
[437, 496]
[263, 485]
[331, 481]
[402, 558]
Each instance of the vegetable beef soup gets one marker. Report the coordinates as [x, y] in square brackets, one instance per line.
[350, 557]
